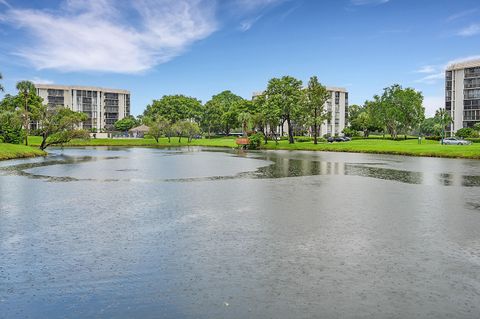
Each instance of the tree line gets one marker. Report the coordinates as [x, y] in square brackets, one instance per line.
[285, 100]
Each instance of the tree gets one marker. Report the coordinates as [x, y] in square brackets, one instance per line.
[244, 118]
[285, 94]
[175, 108]
[443, 119]
[316, 97]
[26, 89]
[398, 109]
[476, 127]
[160, 126]
[227, 105]
[428, 126]
[466, 132]
[11, 127]
[211, 118]
[191, 129]
[126, 123]
[58, 126]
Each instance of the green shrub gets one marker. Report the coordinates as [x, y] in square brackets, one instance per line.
[433, 138]
[350, 132]
[466, 132]
[473, 139]
[303, 139]
[255, 141]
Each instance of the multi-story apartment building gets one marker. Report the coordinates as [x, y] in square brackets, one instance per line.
[102, 106]
[337, 106]
[462, 94]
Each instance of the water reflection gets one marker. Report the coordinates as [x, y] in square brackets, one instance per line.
[270, 165]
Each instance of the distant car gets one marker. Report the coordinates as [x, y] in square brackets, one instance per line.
[338, 139]
[455, 141]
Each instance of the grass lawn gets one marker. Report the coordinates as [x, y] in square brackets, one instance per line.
[11, 151]
[401, 147]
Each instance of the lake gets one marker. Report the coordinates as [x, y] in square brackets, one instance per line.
[217, 233]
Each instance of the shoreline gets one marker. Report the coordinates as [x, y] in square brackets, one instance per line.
[368, 146]
[18, 151]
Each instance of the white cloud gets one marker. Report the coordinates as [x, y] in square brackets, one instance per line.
[256, 4]
[367, 2]
[100, 35]
[462, 14]
[436, 73]
[469, 31]
[247, 24]
[427, 69]
[38, 80]
[432, 78]
[433, 103]
[5, 3]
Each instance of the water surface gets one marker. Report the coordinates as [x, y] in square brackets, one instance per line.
[203, 233]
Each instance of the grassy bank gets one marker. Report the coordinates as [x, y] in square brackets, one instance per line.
[11, 151]
[401, 147]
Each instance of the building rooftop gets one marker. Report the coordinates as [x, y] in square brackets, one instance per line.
[79, 87]
[464, 65]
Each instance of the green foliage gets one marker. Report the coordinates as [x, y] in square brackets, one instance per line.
[466, 132]
[126, 123]
[314, 113]
[223, 110]
[284, 97]
[175, 108]
[349, 131]
[473, 139]
[476, 127]
[442, 120]
[158, 127]
[58, 126]
[255, 141]
[397, 109]
[11, 127]
[428, 127]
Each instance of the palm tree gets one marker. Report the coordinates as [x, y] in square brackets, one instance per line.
[26, 89]
[244, 118]
[1, 87]
[443, 118]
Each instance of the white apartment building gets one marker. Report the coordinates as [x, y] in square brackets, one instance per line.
[103, 106]
[462, 94]
[337, 106]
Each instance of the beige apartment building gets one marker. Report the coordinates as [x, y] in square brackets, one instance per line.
[337, 106]
[102, 106]
[462, 94]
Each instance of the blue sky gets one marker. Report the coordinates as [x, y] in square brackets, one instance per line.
[202, 47]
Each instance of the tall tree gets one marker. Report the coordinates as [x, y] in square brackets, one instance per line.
[26, 89]
[244, 118]
[211, 118]
[175, 108]
[285, 94]
[316, 97]
[228, 105]
[443, 119]
[398, 109]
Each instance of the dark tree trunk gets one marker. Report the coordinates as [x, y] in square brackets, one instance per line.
[44, 142]
[265, 132]
[290, 131]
